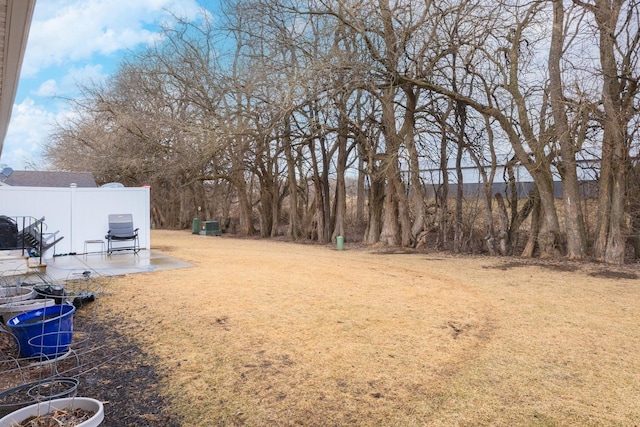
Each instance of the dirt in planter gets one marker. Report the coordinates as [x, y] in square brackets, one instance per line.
[59, 418]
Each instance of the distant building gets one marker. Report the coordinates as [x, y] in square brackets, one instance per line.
[587, 189]
[48, 179]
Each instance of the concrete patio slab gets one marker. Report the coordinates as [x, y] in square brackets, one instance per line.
[117, 264]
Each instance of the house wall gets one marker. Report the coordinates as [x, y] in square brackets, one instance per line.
[78, 214]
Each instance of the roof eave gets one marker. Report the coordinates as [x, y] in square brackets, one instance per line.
[16, 32]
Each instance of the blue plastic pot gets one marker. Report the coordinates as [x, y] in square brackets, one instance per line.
[44, 332]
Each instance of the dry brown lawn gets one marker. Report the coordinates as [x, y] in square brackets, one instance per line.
[265, 333]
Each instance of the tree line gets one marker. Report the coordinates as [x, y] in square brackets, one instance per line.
[315, 118]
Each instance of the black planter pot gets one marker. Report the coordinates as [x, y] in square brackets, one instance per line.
[37, 391]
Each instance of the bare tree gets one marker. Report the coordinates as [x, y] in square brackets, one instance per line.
[300, 91]
[507, 54]
[619, 40]
[574, 220]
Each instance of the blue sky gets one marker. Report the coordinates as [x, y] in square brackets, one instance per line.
[75, 41]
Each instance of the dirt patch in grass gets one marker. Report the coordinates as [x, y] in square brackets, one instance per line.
[609, 274]
[625, 272]
[554, 265]
[123, 376]
[271, 333]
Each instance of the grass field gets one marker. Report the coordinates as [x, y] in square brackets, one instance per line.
[265, 333]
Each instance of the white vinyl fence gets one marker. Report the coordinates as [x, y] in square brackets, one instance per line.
[78, 214]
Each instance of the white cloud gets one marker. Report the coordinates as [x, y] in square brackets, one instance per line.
[76, 30]
[28, 130]
[71, 42]
[91, 73]
[87, 75]
[47, 88]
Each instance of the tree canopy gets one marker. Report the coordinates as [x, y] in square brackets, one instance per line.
[320, 118]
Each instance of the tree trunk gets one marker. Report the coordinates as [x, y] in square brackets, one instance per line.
[532, 241]
[416, 193]
[634, 208]
[376, 206]
[503, 244]
[493, 246]
[548, 238]
[574, 221]
[606, 15]
[246, 213]
[461, 120]
[444, 188]
[275, 208]
[360, 191]
[340, 205]
[318, 195]
[605, 189]
[326, 193]
[294, 230]
[390, 234]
